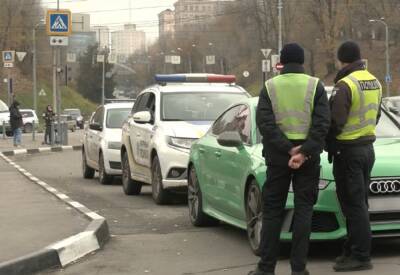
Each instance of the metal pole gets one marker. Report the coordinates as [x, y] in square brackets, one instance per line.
[33, 130]
[34, 70]
[59, 129]
[9, 87]
[280, 6]
[103, 81]
[190, 62]
[387, 60]
[55, 80]
[4, 129]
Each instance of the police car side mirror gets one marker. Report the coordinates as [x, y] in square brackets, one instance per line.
[95, 126]
[230, 139]
[142, 117]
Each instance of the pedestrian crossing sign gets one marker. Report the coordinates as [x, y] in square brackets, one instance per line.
[59, 22]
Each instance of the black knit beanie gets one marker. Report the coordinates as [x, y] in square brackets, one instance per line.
[292, 53]
[349, 52]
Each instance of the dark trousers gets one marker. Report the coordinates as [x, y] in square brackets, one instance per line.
[352, 170]
[275, 191]
[47, 134]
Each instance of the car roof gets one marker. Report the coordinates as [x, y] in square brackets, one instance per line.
[117, 105]
[196, 87]
[26, 110]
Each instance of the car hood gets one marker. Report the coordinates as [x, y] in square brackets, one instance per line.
[4, 116]
[186, 129]
[386, 160]
[112, 134]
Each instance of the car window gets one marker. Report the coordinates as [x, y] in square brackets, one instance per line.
[386, 127]
[26, 114]
[115, 117]
[196, 106]
[98, 116]
[235, 119]
[141, 106]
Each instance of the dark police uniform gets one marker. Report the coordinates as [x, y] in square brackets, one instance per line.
[286, 122]
[355, 108]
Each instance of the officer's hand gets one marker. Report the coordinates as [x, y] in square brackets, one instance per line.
[295, 150]
[297, 161]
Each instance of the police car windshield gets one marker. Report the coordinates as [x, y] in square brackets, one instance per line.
[196, 106]
[386, 128]
[116, 117]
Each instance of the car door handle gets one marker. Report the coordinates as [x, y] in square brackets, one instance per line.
[217, 153]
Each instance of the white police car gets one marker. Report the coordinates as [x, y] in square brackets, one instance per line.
[102, 141]
[166, 119]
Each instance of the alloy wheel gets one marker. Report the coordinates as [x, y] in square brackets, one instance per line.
[254, 216]
[193, 195]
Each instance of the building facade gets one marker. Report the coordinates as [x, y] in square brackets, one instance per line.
[192, 15]
[166, 24]
[128, 41]
[102, 36]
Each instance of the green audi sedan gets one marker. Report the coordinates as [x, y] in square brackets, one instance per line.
[227, 172]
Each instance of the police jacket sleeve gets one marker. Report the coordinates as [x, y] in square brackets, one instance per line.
[320, 123]
[340, 108]
[266, 123]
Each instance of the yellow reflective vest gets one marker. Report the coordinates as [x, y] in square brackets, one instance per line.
[366, 93]
[292, 98]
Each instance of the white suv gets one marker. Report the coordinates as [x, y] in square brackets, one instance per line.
[29, 118]
[164, 122]
[102, 141]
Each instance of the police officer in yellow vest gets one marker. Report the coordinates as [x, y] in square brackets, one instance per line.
[293, 119]
[355, 108]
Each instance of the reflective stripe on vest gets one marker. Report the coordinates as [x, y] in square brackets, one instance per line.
[300, 129]
[365, 126]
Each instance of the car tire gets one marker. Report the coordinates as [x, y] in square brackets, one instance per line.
[195, 202]
[88, 172]
[254, 216]
[104, 178]
[28, 128]
[130, 186]
[159, 194]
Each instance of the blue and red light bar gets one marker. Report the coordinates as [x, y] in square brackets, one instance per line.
[200, 78]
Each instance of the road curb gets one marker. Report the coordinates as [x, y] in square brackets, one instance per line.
[41, 150]
[63, 252]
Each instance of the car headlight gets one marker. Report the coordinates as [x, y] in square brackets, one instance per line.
[322, 184]
[185, 143]
[79, 118]
[115, 145]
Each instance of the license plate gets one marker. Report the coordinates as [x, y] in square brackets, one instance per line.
[384, 204]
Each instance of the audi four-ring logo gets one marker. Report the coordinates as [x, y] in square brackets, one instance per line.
[385, 187]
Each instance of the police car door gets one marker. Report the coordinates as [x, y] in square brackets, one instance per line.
[145, 132]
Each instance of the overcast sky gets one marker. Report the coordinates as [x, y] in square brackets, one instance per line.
[114, 13]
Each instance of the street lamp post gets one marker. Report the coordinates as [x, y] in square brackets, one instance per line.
[34, 64]
[387, 77]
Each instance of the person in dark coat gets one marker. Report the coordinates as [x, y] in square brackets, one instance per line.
[293, 119]
[48, 117]
[16, 123]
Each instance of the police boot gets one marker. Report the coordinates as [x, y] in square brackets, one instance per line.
[352, 264]
[260, 272]
[305, 272]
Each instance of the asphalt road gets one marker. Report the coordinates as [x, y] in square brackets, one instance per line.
[151, 239]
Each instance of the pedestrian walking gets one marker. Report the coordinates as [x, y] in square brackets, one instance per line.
[355, 108]
[48, 116]
[16, 123]
[293, 119]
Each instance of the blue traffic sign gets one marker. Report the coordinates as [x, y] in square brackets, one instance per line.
[388, 78]
[8, 56]
[59, 22]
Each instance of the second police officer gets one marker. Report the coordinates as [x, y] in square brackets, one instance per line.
[293, 119]
[355, 108]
